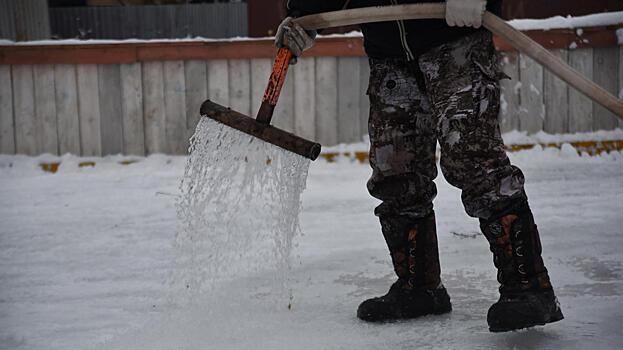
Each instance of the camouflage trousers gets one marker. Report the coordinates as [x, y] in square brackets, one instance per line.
[450, 94]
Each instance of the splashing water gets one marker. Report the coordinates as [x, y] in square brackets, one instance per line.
[239, 208]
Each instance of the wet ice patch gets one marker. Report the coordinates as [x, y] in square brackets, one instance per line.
[239, 209]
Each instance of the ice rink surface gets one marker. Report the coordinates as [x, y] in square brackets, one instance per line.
[85, 254]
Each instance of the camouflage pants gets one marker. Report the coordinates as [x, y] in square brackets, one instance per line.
[450, 94]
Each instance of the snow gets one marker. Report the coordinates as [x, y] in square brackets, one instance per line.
[522, 137]
[198, 39]
[85, 253]
[510, 138]
[593, 20]
[128, 41]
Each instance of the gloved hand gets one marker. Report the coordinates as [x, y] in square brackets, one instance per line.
[294, 37]
[465, 13]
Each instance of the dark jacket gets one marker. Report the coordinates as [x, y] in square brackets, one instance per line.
[395, 39]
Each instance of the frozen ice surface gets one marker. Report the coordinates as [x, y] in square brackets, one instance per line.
[85, 253]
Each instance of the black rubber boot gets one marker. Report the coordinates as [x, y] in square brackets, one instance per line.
[522, 310]
[401, 303]
[418, 291]
[526, 295]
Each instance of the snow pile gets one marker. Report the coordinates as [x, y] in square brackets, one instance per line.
[239, 207]
[521, 137]
[510, 138]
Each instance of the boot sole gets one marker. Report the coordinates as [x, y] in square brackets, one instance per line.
[551, 319]
[390, 319]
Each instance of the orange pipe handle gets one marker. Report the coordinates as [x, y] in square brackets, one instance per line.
[275, 83]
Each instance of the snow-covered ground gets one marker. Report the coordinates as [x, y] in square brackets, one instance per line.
[85, 253]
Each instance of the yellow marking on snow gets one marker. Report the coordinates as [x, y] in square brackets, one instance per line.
[86, 164]
[50, 167]
[590, 147]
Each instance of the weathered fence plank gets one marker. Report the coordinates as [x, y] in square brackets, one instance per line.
[111, 121]
[532, 110]
[175, 106]
[260, 72]
[7, 129]
[620, 95]
[348, 100]
[509, 109]
[196, 92]
[24, 110]
[218, 81]
[580, 106]
[67, 109]
[154, 109]
[556, 97]
[364, 101]
[132, 109]
[327, 100]
[45, 109]
[284, 113]
[605, 74]
[89, 110]
[305, 98]
[240, 86]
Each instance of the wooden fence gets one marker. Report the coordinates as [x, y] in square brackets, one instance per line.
[535, 99]
[208, 20]
[144, 98]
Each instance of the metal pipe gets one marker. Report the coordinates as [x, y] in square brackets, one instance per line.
[265, 132]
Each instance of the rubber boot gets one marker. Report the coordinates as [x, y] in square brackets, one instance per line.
[527, 298]
[418, 290]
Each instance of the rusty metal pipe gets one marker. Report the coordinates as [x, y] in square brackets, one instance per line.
[263, 131]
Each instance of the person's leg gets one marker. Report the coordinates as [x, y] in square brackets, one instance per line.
[462, 81]
[402, 157]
